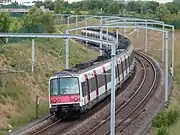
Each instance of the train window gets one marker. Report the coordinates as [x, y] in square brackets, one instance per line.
[108, 75]
[95, 77]
[129, 63]
[54, 87]
[118, 73]
[130, 59]
[132, 56]
[120, 68]
[92, 84]
[123, 66]
[98, 36]
[87, 89]
[83, 85]
[101, 80]
[69, 86]
[126, 65]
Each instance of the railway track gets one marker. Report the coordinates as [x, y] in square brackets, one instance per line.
[133, 107]
[62, 126]
[35, 126]
[143, 79]
[126, 115]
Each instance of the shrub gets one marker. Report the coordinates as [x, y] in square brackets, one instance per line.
[166, 118]
[172, 117]
[162, 131]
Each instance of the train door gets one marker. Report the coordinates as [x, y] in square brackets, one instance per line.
[117, 70]
[126, 65]
[96, 83]
[129, 63]
[122, 68]
[105, 78]
[87, 88]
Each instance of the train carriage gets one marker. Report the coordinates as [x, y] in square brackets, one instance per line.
[75, 91]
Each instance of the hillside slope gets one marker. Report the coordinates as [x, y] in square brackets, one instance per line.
[18, 90]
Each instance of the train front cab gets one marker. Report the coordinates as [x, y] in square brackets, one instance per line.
[64, 96]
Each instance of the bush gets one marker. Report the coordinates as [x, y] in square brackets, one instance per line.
[162, 131]
[172, 117]
[166, 118]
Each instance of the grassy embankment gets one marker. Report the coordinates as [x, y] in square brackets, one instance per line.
[154, 43]
[18, 90]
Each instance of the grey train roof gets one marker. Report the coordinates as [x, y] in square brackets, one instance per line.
[123, 43]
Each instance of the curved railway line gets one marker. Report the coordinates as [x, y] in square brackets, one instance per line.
[131, 98]
[133, 106]
[129, 109]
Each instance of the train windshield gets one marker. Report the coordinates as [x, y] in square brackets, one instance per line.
[64, 86]
[54, 91]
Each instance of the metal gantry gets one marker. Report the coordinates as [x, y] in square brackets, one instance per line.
[110, 22]
[139, 23]
[114, 20]
[33, 56]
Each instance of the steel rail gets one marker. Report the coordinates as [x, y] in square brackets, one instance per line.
[117, 126]
[140, 86]
[45, 128]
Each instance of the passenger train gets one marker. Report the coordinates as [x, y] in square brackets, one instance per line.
[77, 90]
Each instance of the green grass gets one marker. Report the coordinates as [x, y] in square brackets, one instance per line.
[30, 114]
[174, 130]
[18, 90]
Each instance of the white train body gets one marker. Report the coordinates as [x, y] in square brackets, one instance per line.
[86, 87]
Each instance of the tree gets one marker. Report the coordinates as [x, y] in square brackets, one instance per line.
[5, 22]
[151, 6]
[15, 24]
[38, 4]
[77, 5]
[67, 11]
[37, 16]
[113, 8]
[177, 3]
[173, 8]
[161, 12]
[59, 6]
[77, 12]
[49, 4]
[135, 6]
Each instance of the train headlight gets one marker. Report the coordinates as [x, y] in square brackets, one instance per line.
[75, 99]
[71, 99]
[54, 100]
